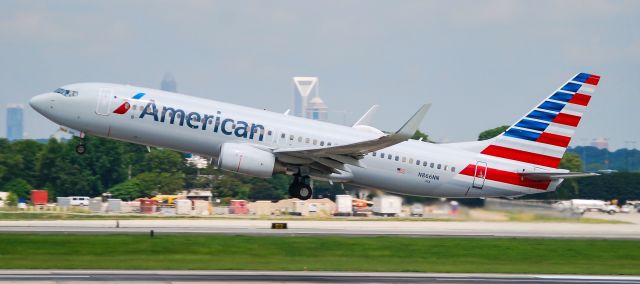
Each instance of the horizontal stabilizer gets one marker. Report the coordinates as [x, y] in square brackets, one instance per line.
[556, 175]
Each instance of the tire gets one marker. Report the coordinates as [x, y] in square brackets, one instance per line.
[611, 212]
[305, 192]
[81, 149]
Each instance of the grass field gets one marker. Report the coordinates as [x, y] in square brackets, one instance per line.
[21, 251]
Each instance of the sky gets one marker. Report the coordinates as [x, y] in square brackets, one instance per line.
[480, 63]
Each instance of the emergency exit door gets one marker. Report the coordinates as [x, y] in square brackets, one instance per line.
[480, 175]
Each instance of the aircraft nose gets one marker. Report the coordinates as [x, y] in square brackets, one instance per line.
[39, 102]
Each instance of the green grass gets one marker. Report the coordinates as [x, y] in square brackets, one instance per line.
[59, 251]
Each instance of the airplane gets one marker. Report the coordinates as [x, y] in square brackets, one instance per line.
[522, 160]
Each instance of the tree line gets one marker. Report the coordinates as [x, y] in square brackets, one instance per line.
[130, 171]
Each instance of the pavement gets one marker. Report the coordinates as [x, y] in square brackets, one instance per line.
[353, 228]
[119, 276]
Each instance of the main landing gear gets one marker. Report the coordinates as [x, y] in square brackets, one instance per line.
[300, 187]
[81, 148]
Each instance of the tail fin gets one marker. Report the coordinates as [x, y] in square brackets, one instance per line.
[541, 137]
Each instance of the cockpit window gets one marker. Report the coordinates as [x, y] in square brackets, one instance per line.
[66, 93]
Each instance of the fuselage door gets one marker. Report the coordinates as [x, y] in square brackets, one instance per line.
[480, 175]
[104, 102]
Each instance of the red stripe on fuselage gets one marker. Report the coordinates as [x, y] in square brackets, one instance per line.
[554, 139]
[580, 99]
[522, 156]
[508, 177]
[567, 119]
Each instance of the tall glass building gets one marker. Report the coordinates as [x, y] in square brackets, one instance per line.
[15, 122]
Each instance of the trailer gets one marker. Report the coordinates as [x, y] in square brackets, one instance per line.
[387, 205]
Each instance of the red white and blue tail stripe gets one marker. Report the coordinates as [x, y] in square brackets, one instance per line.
[542, 135]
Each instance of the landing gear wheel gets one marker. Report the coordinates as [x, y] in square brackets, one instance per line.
[305, 192]
[81, 149]
[300, 187]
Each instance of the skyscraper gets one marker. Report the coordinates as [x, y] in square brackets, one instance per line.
[317, 110]
[15, 122]
[168, 83]
[304, 88]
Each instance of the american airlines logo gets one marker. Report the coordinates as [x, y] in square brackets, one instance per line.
[194, 120]
[124, 107]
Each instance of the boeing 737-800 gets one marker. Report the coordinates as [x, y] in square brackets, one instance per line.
[522, 160]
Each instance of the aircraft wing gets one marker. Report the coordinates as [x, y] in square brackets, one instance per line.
[332, 158]
[556, 175]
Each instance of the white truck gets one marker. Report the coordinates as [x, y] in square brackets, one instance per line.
[344, 204]
[584, 205]
[79, 200]
[387, 205]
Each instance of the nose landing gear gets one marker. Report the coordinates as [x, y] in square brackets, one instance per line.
[300, 187]
[81, 148]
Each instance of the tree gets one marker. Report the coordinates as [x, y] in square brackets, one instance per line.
[12, 199]
[419, 134]
[488, 134]
[128, 190]
[19, 187]
[161, 183]
[10, 162]
[163, 161]
[28, 150]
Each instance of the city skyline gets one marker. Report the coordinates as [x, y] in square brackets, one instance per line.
[480, 66]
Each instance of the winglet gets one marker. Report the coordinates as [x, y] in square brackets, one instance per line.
[367, 118]
[412, 125]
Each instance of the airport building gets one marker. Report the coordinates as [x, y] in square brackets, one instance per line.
[306, 99]
[169, 83]
[15, 122]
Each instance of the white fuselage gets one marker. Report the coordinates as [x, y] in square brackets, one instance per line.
[449, 171]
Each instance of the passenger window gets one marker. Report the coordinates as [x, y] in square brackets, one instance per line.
[321, 143]
[424, 164]
[445, 167]
[453, 169]
[404, 159]
[432, 164]
[390, 157]
[283, 135]
[328, 144]
[397, 158]
[315, 141]
[382, 155]
[411, 161]
[269, 132]
[291, 137]
[306, 140]
[417, 162]
[439, 166]
[374, 154]
[299, 138]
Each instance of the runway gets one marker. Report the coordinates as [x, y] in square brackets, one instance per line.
[81, 276]
[353, 228]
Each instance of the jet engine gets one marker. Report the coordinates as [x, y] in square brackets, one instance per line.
[248, 160]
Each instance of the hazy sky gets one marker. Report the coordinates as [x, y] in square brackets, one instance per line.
[481, 63]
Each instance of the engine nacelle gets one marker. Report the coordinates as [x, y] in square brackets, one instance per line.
[245, 159]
